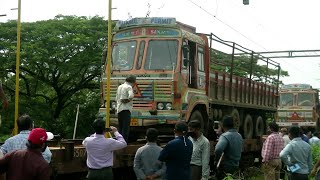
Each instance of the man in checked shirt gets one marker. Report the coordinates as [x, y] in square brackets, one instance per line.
[270, 153]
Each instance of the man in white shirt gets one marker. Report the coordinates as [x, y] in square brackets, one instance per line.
[284, 134]
[124, 99]
[315, 139]
[200, 169]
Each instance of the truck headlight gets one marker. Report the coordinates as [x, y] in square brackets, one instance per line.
[168, 106]
[160, 106]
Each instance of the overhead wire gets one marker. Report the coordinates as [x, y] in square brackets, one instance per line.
[227, 24]
[234, 29]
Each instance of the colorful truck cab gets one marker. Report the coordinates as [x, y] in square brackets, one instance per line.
[181, 77]
[298, 105]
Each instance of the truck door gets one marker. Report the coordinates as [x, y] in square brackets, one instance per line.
[189, 65]
[192, 65]
[201, 84]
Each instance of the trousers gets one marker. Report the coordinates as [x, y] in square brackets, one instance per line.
[124, 118]
[271, 169]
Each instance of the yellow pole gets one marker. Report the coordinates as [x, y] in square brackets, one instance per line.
[108, 70]
[16, 109]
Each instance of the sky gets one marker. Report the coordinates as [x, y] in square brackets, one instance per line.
[263, 25]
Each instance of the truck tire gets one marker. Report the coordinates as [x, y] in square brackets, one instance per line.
[259, 126]
[197, 115]
[236, 119]
[248, 127]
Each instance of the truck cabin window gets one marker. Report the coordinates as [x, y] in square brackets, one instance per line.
[161, 55]
[305, 99]
[286, 99]
[123, 55]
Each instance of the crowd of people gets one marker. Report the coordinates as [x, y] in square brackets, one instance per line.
[288, 153]
[26, 155]
[187, 156]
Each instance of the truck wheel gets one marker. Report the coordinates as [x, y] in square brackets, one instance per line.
[259, 126]
[248, 127]
[236, 119]
[197, 115]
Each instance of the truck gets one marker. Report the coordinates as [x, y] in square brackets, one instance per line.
[186, 75]
[181, 75]
[299, 106]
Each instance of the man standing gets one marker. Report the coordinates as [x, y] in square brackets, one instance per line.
[100, 151]
[146, 163]
[297, 154]
[200, 169]
[271, 149]
[230, 145]
[177, 154]
[17, 142]
[124, 98]
[28, 164]
[315, 139]
[285, 137]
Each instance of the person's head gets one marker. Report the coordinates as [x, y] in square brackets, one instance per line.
[227, 123]
[131, 79]
[194, 128]
[316, 134]
[152, 135]
[294, 132]
[284, 131]
[99, 126]
[37, 139]
[24, 122]
[273, 126]
[181, 128]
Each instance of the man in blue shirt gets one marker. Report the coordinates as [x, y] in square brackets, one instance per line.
[177, 154]
[17, 142]
[146, 163]
[228, 148]
[297, 153]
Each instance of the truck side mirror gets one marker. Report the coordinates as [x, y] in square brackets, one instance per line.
[185, 49]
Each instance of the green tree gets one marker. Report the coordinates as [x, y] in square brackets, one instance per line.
[242, 66]
[60, 67]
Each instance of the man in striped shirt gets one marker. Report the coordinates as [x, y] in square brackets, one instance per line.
[270, 153]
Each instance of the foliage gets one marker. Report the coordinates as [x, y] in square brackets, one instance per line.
[315, 153]
[258, 69]
[60, 68]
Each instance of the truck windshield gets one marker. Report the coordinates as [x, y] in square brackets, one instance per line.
[161, 55]
[286, 99]
[123, 55]
[305, 99]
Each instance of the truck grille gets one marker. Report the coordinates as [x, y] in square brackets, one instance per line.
[146, 92]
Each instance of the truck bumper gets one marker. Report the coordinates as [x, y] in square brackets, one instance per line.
[145, 118]
[300, 124]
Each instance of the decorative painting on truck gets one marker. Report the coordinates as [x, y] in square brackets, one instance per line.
[298, 105]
